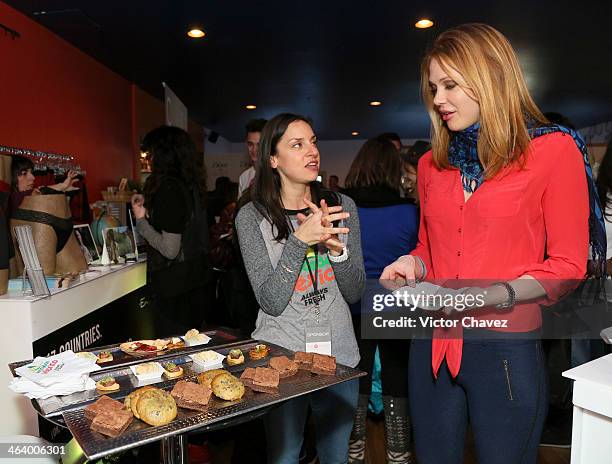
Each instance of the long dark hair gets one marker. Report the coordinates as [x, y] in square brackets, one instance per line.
[604, 179]
[266, 190]
[377, 163]
[173, 154]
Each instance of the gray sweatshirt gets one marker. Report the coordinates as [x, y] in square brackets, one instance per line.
[284, 289]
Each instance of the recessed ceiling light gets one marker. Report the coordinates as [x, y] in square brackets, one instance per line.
[354, 133]
[423, 23]
[196, 33]
[375, 103]
[251, 107]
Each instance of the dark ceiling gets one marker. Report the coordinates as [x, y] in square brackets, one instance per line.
[328, 59]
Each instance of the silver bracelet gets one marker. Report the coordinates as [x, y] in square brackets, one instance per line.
[341, 257]
[511, 301]
[423, 269]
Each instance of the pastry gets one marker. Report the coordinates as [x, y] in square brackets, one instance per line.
[175, 343]
[284, 366]
[107, 384]
[227, 387]
[172, 371]
[131, 400]
[112, 423]
[104, 403]
[156, 407]
[259, 352]
[191, 395]
[206, 378]
[104, 357]
[235, 357]
[193, 337]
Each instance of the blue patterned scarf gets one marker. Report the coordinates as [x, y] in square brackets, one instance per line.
[463, 154]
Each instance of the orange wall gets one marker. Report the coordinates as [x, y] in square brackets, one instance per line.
[56, 98]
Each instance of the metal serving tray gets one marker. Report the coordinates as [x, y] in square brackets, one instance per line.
[52, 408]
[219, 413]
[96, 445]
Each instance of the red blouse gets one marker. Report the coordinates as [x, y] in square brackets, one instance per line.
[524, 221]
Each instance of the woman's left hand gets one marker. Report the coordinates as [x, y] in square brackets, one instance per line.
[330, 214]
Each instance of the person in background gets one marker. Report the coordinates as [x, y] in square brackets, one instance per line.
[334, 183]
[410, 156]
[217, 199]
[253, 133]
[305, 271]
[497, 223]
[393, 138]
[22, 182]
[172, 220]
[389, 226]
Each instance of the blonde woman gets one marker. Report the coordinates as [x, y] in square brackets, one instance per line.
[508, 202]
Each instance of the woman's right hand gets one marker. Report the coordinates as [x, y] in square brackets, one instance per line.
[399, 273]
[312, 231]
[138, 206]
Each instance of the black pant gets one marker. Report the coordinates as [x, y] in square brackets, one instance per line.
[394, 355]
[501, 389]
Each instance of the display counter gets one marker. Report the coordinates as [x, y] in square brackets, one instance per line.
[592, 423]
[76, 318]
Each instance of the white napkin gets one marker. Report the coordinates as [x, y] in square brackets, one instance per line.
[61, 374]
[57, 369]
[35, 391]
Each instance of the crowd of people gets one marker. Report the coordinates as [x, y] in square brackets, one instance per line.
[501, 204]
[485, 206]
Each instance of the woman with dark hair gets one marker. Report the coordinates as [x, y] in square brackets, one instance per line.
[304, 270]
[509, 210]
[389, 226]
[171, 219]
[22, 182]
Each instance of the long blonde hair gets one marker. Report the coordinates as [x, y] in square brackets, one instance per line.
[488, 64]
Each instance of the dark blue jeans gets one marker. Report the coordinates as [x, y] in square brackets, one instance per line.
[333, 411]
[501, 390]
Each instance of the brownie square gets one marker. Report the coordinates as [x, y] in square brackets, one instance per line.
[284, 366]
[265, 380]
[190, 395]
[112, 423]
[104, 403]
[303, 360]
[323, 364]
[247, 376]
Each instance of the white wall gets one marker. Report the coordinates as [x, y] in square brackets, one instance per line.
[223, 158]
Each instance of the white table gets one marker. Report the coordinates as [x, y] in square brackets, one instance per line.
[25, 319]
[592, 425]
